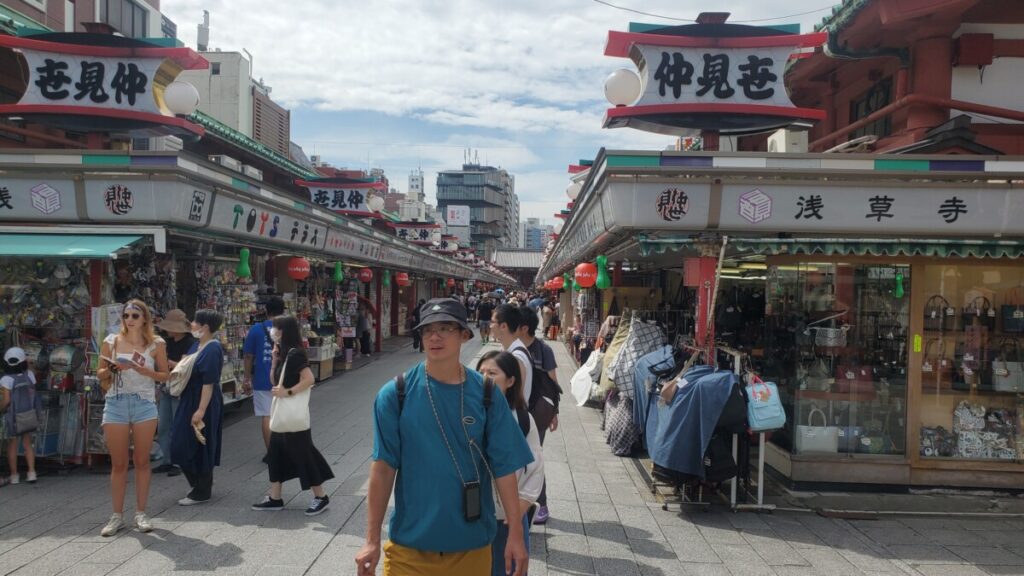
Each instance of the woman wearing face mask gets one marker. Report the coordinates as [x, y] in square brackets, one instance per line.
[196, 432]
[292, 454]
[504, 369]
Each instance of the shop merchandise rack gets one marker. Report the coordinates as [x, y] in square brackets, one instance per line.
[219, 288]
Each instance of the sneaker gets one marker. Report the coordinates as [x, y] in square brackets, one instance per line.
[114, 526]
[318, 505]
[188, 501]
[15, 479]
[542, 515]
[268, 504]
[142, 522]
[31, 479]
[174, 471]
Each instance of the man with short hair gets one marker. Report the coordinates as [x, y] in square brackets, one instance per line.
[258, 351]
[505, 323]
[484, 310]
[546, 415]
[448, 433]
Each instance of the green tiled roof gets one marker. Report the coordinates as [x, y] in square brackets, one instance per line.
[842, 14]
[236, 138]
[18, 24]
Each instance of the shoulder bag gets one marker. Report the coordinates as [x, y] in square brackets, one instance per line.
[182, 372]
[291, 413]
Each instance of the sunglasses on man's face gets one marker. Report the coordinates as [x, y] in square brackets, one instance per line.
[133, 316]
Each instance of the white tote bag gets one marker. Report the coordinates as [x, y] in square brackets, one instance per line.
[812, 438]
[291, 413]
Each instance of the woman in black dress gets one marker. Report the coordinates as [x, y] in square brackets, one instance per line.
[292, 454]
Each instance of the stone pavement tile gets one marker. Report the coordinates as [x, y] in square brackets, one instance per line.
[989, 555]
[895, 536]
[704, 569]
[980, 524]
[602, 498]
[88, 570]
[1006, 538]
[588, 482]
[1002, 570]
[950, 570]
[829, 561]
[58, 560]
[605, 533]
[774, 551]
[722, 536]
[742, 560]
[874, 524]
[927, 554]
[272, 570]
[793, 532]
[572, 561]
[616, 567]
[639, 523]
[693, 549]
[872, 561]
[946, 537]
[652, 551]
[932, 522]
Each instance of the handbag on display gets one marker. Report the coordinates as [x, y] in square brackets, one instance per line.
[938, 314]
[289, 414]
[979, 313]
[1012, 311]
[1007, 367]
[936, 369]
[830, 337]
[816, 376]
[849, 438]
[854, 379]
[811, 438]
[764, 406]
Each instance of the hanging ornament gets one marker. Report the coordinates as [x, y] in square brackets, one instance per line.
[365, 275]
[899, 292]
[451, 282]
[339, 272]
[386, 278]
[576, 286]
[567, 280]
[402, 278]
[603, 280]
[558, 283]
[298, 268]
[586, 274]
[243, 264]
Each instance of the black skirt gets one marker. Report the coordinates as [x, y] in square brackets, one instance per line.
[292, 455]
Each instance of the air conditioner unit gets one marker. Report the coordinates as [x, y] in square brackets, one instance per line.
[251, 172]
[166, 144]
[227, 162]
[788, 141]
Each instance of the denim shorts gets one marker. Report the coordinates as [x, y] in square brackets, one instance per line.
[128, 409]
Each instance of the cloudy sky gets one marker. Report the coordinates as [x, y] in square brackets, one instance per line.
[400, 84]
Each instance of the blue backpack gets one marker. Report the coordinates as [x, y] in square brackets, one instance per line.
[764, 407]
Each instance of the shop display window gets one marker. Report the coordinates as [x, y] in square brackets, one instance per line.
[220, 288]
[972, 366]
[837, 346]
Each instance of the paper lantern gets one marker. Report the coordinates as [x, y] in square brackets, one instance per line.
[603, 280]
[586, 274]
[451, 282]
[243, 264]
[298, 268]
[558, 283]
[339, 272]
[365, 275]
[386, 278]
[402, 278]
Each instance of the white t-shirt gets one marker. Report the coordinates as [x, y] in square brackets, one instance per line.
[131, 382]
[519, 350]
[7, 382]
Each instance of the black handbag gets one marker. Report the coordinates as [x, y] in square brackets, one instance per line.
[1012, 312]
[980, 313]
[938, 314]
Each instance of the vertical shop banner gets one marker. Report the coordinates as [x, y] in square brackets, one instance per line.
[27, 200]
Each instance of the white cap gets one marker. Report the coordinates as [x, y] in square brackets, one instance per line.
[14, 356]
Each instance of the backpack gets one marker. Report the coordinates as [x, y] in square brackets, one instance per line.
[543, 385]
[25, 405]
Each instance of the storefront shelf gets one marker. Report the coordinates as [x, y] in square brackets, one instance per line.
[836, 396]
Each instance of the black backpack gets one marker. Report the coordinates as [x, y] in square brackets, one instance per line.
[543, 385]
[521, 415]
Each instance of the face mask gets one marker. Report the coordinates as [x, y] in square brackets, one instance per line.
[197, 334]
[275, 334]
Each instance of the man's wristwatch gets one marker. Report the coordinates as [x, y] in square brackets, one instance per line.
[289, 392]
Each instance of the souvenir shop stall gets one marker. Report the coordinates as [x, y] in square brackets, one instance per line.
[80, 233]
[888, 313]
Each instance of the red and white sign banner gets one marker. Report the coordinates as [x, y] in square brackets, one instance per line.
[345, 198]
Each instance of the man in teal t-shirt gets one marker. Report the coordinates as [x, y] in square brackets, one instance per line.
[443, 444]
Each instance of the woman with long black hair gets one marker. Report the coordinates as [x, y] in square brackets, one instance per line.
[292, 454]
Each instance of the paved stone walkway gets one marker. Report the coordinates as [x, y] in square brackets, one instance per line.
[603, 521]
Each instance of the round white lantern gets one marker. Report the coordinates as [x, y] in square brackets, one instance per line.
[375, 203]
[573, 191]
[622, 87]
[181, 98]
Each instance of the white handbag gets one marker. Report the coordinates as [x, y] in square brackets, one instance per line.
[812, 438]
[182, 372]
[291, 413]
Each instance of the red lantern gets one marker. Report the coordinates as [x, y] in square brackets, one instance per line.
[586, 274]
[365, 275]
[298, 268]
[402, 278]
[451, 282]
[557, 283]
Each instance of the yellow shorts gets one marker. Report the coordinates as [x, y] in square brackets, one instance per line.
[402, 561]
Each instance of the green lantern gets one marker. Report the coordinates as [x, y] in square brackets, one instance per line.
[603, 280]
[899, 292]
[339, 272]
[568, 284]
[387, 278]
[243, 270]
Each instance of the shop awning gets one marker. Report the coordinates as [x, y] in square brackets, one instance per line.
[66, 245]
[936, 248]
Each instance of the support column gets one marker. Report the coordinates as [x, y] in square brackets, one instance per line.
[931, 75]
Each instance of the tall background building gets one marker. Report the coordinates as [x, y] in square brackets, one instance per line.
[534, 235]
[494, 207]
